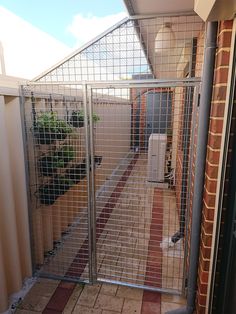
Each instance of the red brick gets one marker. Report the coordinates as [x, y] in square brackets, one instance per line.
[202, 299]
[206, 239]
[200, 309]
[224, 39]
[209, 199]
[205, 263]
[207, 225]
[213, 156]
[216, 125]
[219, 93]
[206, 252]
[211, 170]
[222, 58]
[227, 24]
[203, 288]
[221, 75]
[210, 185]
[209, 213]
[214, 141]
[217, 109]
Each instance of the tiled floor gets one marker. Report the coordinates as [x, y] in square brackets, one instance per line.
[134, 220]
[51, 296]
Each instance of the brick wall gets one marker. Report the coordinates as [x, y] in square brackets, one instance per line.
[212, 159]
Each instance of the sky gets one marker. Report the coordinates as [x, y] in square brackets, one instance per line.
[35, 35]
[68, 20]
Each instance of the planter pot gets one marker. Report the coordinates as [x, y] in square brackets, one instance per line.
[46, 166]
[77, 172]
[61, 186]
[45, 136]
[48, 194]
[76, 121]
[60, 136]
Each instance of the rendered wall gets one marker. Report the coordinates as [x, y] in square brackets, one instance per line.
[15, 254]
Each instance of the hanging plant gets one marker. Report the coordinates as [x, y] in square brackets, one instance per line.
[48, 164]
[49, 128]
[77, 118]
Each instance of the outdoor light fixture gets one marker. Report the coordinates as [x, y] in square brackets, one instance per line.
[165, 39]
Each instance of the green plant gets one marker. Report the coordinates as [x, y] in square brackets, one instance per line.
[63, 156]
[49, 128]
[59, 159]
[48, 193]
[77, 118]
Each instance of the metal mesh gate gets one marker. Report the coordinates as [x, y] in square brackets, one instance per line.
[109, 135]
[108, 193]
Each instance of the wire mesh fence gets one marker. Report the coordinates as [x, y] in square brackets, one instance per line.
[109, 135]
[133, 49]
[134, 153]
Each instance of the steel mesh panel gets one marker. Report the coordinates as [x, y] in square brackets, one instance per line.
[128, 50]
[58, 182]
[137, 215]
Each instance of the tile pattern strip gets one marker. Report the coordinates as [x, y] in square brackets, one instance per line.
[64, 290]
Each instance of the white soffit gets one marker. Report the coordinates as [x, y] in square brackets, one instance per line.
[215, 10]
[143, 7]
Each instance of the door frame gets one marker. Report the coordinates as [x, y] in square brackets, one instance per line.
[88, 102]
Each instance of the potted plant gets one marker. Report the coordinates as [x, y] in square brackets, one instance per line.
[48, 165]
[48, 193]
[76, 173]
[62, 184]
[49, 128]
[77, 118]
[65, 155]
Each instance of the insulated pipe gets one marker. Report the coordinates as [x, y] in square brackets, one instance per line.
[204, 115]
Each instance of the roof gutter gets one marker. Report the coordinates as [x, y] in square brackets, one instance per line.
[129, 7]
[203, 126]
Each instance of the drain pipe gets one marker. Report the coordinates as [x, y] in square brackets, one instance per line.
[204, 114]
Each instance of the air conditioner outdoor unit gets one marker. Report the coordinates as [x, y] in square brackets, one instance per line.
[156, 157]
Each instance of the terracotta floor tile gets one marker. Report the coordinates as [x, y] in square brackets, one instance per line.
[132, 307]
[107, 302]
[150, 296]
[80, 309]
[165, 306]
[108, 289]
[130, 293]
[19, 311]
[170, 298]
[73, 299]
[89, 295]
[33, 302]
[59, 299]
[151, 308]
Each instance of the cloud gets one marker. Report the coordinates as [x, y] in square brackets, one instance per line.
[28, 51]
[85, 28]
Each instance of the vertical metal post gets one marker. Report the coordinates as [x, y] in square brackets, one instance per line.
[27, 176]
[88, 158]
[92, 198]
